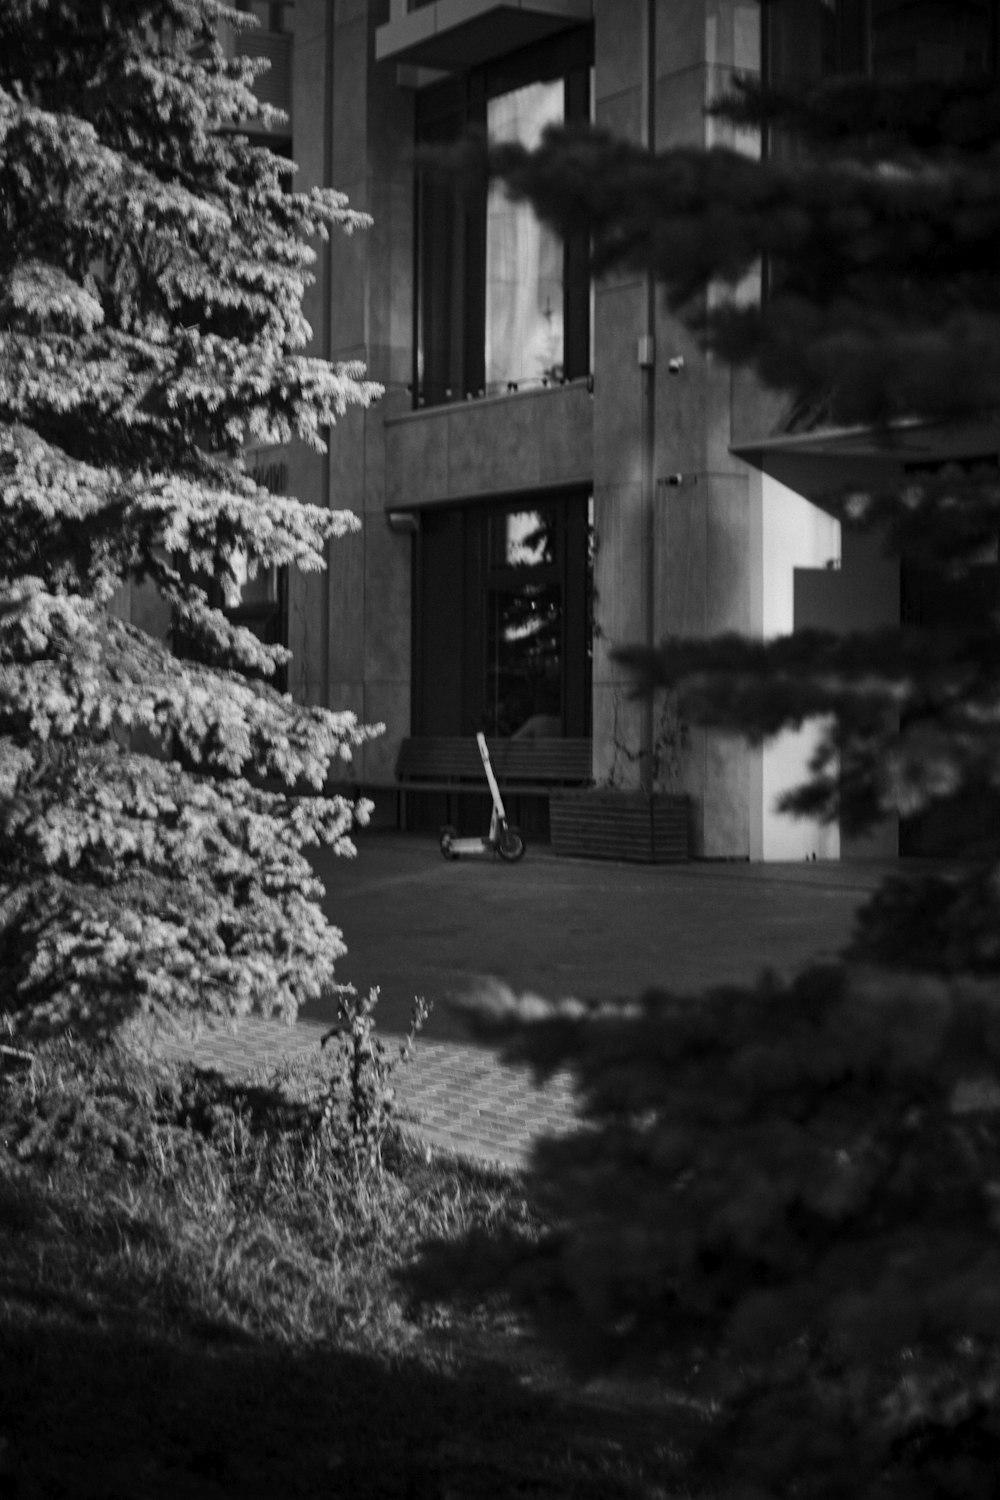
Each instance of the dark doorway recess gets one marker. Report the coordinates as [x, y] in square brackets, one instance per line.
[502, 632]
[969, 823]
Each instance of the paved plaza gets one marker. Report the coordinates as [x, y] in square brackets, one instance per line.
[416, 924]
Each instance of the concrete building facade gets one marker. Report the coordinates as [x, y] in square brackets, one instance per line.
[548, 461]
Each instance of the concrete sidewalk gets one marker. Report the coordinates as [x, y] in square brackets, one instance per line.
[416, 924]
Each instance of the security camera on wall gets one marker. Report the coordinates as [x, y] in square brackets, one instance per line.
[676, 365]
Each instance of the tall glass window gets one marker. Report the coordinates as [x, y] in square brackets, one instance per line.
[802, 37]
[503, 619]
[501, 301]
[524, 258]
[524, 625]
[944, 39]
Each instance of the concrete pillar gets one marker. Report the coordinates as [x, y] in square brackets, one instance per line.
[619, 323]
[307, 592]
[702, 571]
[350, 628]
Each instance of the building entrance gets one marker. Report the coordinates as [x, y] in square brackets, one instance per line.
[502, 630]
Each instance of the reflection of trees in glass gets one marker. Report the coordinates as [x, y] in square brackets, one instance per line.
[533, 618]
[523, 539]
[524, 672]
[524, 258]
[524, 646]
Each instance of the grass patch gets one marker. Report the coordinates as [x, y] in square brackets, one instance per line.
[198, 1297]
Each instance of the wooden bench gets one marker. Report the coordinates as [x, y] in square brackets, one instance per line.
[523, 767]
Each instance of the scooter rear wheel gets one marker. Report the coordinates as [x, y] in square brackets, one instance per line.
[445, 843]
[510, 844]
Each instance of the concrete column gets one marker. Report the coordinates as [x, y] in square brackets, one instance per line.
[312, 62]
[702, 572]
[705, 525]
[387, 251]
[619, 323]
[350, 628]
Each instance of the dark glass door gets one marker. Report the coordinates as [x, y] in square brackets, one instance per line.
[525, 648]
[502, 630]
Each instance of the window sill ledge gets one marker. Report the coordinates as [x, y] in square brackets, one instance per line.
[476, 403]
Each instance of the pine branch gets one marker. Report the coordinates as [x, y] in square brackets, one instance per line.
[69, 669]
[878, 118]
[886, 296]
[947, 521]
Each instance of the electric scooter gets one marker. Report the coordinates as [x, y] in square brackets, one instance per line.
[502, 839]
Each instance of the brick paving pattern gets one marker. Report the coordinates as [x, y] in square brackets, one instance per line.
[419, 925]
[452, 1096]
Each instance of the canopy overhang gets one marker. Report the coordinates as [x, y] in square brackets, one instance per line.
[829, 457]
[455, 35]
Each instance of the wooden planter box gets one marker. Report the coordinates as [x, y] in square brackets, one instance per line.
[612, 824]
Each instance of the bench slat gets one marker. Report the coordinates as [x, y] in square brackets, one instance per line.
[448, 760]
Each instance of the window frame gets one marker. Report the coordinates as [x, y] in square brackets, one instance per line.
[453, 579]
[445, 112]
[853, 20]
[853, 45]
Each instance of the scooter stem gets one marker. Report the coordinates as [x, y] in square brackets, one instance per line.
[488, 768]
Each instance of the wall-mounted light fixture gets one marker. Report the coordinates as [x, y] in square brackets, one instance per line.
[403, 522]
[675, 481]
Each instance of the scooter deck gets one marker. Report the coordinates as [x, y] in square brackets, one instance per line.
[470, 846]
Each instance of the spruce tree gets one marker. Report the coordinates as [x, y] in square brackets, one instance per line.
[153, 258]
[785, 1194]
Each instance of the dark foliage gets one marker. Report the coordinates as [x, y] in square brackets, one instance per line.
[786, 1194]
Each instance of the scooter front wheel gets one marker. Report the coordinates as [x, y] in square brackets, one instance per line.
[448, 835]
[510, 844]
